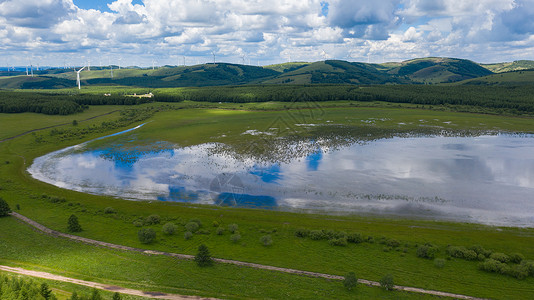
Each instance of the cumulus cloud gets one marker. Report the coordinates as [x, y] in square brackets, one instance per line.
[270, 31]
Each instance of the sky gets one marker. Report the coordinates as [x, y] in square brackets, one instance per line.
[261, 32]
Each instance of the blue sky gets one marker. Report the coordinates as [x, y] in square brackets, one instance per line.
[140, 32]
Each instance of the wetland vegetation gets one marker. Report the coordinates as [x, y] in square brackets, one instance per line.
[415, 252]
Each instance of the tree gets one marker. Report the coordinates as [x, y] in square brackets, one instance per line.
[73, 225]
[387, 282]
[4, 208]
[74, 296]
[45, 291]
[117, 296]
[95, 295]
[146, 235]
[350, 281]
[169, 228]
[203, 257]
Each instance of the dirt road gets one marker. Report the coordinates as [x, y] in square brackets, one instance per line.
[233, 262]
[100, 286]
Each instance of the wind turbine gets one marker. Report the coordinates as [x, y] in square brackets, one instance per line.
[213, 53]
[78, 77]
[88, 65]
[120, 59]
[153, 64]
[323, 53]
[184, 60]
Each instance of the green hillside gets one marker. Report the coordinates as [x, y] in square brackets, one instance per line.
[337, 72]
[36, 82]
[509, 66]
[286, 67]
[437, 70]
[525, 77]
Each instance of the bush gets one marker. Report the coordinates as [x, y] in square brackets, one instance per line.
[355, 238]
[146, 235]
[439, 263]
[236, 237]
[350, 281]
[203, 257]
[392, 243]
[73, 225]
[266, 240]
[316, 235]
[138, 223]
[203, 231]
[302, 232]
[492, 265]
[192, 226]
[169, 228]
[215, 224]
[516, 258]
[500, 257]
[195, 220]
[116, 296]
[427, 251]
[462, 252]
[109, 210]
[4, 208]
[232, 228]
[529, 264]
[387, 282]
[519, 271]
[188, 235]
[152, 219]
[338, 242]
[220, 231]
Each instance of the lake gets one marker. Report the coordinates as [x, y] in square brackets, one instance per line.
[486, 179]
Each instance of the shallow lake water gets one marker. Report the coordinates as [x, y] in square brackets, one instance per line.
[486, 179]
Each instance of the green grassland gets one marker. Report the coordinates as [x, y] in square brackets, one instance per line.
[510, 66]
[182, 124]
[512, 78]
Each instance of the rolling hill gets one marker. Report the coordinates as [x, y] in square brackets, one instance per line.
[437, 70]
[522, 77]
[509, 66]
[430, 70]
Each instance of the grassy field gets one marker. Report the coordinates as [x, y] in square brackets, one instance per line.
[188, 126]
[29, 249]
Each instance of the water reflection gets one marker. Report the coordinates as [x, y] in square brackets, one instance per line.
[485, 179]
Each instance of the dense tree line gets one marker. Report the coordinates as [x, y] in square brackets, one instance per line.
[59, 104]
[512, 99]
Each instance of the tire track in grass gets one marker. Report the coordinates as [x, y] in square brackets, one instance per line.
[100, 286]
[233, 262]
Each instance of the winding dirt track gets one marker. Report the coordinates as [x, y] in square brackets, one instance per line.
[96, 285]
[227, 261]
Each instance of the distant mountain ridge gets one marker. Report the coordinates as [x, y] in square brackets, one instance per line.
[430, 70]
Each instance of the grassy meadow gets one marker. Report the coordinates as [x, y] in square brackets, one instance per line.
[189, 123]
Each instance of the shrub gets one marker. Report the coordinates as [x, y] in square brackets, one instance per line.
[18, 206]
[387, 282]
[73, 225]
[492, 265]
[203, 257]
[392, 243]
[529, 264]
[220, 231]
[350, 281]
[146, 235]
[439, 263]
[232, 228]
[195, 220]
[215, 224]
[516, 258]
[236, 237]
[188, 235]
[427, 251]
[338, 242]
[355, 238]
[116, 296]
[302, 232]
[462, 252]
[4, 208]
[152, 219]
[518, 271]
[316, 235]
[169, 228]
[203, 231]
[266, 240]
[138, 223]
[109, 210]
[500, 257]
[192, 226]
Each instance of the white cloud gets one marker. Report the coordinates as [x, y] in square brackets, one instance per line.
[269, 31]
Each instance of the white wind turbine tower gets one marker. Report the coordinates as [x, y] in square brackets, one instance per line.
[78, 77]
[88, 65]
[120, 59]
[323, 53]
[153, 64]
[213, 53]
